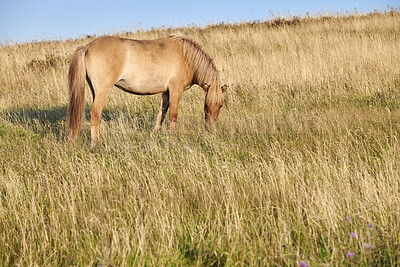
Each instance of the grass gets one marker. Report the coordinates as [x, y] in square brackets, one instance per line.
[306, 152]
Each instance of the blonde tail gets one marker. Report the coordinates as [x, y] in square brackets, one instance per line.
[76, 86]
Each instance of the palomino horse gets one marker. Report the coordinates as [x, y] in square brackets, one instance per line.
[143, 67]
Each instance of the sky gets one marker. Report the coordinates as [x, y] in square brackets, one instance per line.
[36, 20]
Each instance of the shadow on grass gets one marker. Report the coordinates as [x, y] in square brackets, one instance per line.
[53, 120]
[40, 121]
[44, 116]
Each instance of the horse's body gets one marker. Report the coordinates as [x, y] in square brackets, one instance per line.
[143, 67]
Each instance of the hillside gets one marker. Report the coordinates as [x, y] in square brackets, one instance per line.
[304, 164]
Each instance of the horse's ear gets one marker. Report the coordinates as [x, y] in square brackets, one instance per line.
[224, 88]
[206, 86]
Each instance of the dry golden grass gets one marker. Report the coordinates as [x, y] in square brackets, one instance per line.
[309, 135]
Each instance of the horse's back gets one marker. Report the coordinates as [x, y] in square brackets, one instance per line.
[138, 66]
[115, 47]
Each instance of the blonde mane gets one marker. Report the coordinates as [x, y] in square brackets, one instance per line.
[204, 71]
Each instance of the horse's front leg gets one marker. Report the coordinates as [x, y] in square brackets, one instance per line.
[175, 96]
[162, 111]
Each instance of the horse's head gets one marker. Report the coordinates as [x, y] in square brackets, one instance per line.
[213, 104]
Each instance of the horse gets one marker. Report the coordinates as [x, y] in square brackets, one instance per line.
[143, 67]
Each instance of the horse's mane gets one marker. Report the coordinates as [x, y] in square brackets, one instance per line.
[204, 70]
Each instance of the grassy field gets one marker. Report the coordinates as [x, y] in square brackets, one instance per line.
[304, 165]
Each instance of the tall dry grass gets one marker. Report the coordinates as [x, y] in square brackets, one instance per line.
[303, 166]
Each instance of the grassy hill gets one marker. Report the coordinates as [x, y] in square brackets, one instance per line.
[304, 165]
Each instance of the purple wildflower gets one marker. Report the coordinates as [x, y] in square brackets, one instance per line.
[284, 245]
[354, 235]
[304, 264]
[346, 218]
[350, 254]
[370, 226]
[319, 219]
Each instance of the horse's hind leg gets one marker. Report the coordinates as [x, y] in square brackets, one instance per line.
[162, 111]
[100, 99]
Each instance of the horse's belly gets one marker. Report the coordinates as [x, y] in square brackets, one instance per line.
[140, 88]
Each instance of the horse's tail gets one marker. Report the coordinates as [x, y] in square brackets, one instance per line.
[76, 86]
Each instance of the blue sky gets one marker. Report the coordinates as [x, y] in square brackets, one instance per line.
[23, 20]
